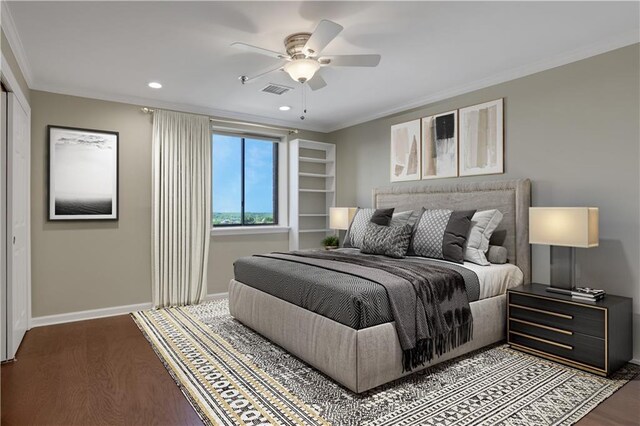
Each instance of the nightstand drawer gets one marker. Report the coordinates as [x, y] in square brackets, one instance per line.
[592, 336]
[557, 341]
[577, 318]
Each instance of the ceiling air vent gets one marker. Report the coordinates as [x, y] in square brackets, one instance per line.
[276, 89]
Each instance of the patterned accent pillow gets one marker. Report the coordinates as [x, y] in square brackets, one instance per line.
[410, 216]
[358, 227]
[392, 241]
[441, 234]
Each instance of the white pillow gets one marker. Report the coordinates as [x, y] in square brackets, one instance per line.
[483, 223]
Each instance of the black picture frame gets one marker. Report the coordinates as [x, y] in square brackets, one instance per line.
[78, 203]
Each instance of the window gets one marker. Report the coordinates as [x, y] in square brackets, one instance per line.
[245, 181]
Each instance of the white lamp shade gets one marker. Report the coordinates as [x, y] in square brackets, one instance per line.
[341, 217]
[564, 226]
[302, 69]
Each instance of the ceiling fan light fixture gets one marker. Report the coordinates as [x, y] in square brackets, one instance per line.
[302, 69]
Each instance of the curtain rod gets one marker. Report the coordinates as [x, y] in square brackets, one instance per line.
[243, 123]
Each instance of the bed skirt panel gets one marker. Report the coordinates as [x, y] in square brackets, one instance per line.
[358, 359]
[380, 355]
[325, 344]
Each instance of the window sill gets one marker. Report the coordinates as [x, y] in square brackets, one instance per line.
[250, 230]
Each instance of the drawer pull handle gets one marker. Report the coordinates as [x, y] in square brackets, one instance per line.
[542, 311]
[549, 342]
[546, 327]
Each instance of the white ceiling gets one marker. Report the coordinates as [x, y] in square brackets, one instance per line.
[110, 50]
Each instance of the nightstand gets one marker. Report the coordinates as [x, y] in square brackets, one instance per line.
[592, 336]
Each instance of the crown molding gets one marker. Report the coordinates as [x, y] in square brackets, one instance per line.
[9, 29]
[10, 79]
[175, 106]
[565, 58]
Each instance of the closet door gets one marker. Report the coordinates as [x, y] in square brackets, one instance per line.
[3, 226]
[18, 261]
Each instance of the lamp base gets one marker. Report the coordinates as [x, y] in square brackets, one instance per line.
[563, 269]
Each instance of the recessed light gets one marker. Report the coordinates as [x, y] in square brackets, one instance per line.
[284, 108]
[155, 85]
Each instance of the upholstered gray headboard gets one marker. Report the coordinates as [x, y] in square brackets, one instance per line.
[511, 197]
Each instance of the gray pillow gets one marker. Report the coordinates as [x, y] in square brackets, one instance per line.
[441, 234]
[391, 241]
[358, 227]
[382, 217]
[410, 216]
[483, 223]
[497, 255]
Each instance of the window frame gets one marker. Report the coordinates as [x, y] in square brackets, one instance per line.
[276, 181]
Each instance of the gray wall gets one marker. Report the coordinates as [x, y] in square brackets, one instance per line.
[574, 130]
[89, 265]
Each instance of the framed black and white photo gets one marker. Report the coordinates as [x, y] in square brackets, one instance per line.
[83, 174]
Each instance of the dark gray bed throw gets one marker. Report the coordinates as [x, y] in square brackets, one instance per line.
[429, 303]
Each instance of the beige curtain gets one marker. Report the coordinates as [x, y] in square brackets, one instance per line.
[181, 207]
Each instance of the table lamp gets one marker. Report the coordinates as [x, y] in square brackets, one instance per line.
[564, 229]
[340, 217]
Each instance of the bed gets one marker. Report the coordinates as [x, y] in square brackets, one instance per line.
[363, 351]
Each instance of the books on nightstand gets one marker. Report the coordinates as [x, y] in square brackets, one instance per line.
[586, 293]
[582, 293]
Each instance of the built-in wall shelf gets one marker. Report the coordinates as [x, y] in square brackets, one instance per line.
[314, 160]
[314, 164]
[315, 175]
[316, 190]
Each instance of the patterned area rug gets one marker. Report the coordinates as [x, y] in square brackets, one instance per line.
[231, 375]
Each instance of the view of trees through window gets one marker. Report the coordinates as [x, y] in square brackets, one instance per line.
[244, 189]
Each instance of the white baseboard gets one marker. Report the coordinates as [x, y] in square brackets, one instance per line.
[104, 312]
[215, 296]
[635, 361]
[86, 315]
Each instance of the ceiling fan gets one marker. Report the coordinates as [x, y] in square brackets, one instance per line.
[303, 61]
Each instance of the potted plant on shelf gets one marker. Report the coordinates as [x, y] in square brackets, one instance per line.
[331, 242]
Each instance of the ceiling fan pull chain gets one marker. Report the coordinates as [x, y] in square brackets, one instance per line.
[304, 102]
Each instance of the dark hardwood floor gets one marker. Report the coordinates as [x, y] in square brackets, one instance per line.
[93, 372]
[104, 371]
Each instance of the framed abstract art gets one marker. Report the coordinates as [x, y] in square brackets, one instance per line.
[440, 145]
[405, 151]
[482, 139]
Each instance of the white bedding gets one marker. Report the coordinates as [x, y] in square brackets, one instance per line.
[494, 279]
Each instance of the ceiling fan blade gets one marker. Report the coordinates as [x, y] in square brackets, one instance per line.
[324, 33]
[351, 60]
[316, 82]
[244, 79]
[255, 49]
